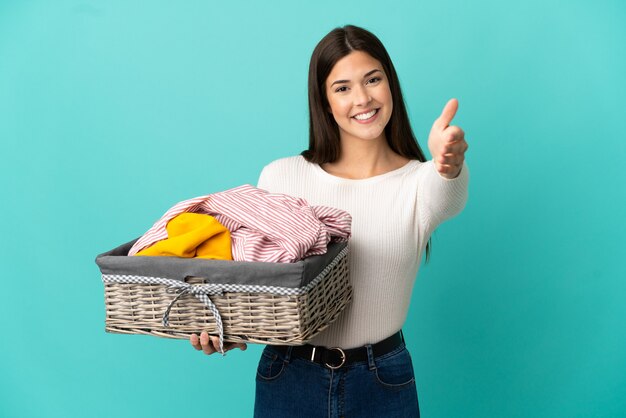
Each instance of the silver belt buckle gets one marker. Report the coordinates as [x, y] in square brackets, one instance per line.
[343, 359]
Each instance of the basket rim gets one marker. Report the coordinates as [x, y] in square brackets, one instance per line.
[290, 275]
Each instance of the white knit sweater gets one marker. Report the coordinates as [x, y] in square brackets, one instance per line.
[393, 215]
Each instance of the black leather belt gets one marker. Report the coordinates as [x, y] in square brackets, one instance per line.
[336, 357]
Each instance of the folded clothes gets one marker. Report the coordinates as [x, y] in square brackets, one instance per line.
[271, 227]
[193, 235]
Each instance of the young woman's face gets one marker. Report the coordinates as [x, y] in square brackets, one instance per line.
[359, 97]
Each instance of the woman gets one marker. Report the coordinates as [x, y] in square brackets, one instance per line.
[362, 158]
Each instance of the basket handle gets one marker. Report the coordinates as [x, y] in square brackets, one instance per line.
[202, 292]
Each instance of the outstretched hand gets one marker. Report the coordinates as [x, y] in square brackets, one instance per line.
[447, 143]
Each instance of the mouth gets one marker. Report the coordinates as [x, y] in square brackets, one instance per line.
[366, 116]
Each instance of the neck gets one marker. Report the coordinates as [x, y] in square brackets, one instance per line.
[364, 158]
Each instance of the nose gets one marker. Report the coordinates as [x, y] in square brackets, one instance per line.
[361, 96]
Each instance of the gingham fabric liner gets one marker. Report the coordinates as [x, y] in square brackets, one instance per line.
[201, 291]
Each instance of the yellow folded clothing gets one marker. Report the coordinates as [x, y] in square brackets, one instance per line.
[193, 235]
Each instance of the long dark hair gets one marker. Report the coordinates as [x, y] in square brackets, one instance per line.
[324, 139]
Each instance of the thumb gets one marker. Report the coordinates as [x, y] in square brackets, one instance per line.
[448, 113]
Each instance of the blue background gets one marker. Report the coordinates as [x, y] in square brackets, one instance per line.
[111, 112]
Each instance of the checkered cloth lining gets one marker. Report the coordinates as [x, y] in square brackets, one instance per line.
[202, 291]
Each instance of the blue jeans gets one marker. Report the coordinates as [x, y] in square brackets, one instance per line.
[382, 386]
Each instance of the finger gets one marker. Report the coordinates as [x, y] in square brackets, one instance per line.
[228, 346]
[452, 159]
[453, 134]
[455, 161]
[207, 348]
[241, 346]
[232, 345]
[195, 342]
[215, 340]
[448, 170]
[458, 147]
[448, 113]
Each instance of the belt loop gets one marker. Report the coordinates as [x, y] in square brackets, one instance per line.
[288, 354]
[370, 357]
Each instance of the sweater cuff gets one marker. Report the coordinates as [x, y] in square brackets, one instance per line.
[446, 197]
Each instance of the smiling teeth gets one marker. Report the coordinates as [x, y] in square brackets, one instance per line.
[367, 115]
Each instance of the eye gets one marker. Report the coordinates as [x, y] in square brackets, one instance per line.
[341, 89]
[373, 80]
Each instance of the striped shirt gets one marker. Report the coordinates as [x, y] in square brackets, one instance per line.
[270, 227]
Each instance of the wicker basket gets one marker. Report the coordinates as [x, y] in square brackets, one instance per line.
[255, 313]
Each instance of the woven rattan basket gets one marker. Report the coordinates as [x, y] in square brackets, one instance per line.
[289, 311]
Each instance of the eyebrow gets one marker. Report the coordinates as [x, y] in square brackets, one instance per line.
[347, 81]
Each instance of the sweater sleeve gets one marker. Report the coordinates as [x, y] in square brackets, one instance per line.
[266, 178]
[262, 182]
[440, 198]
